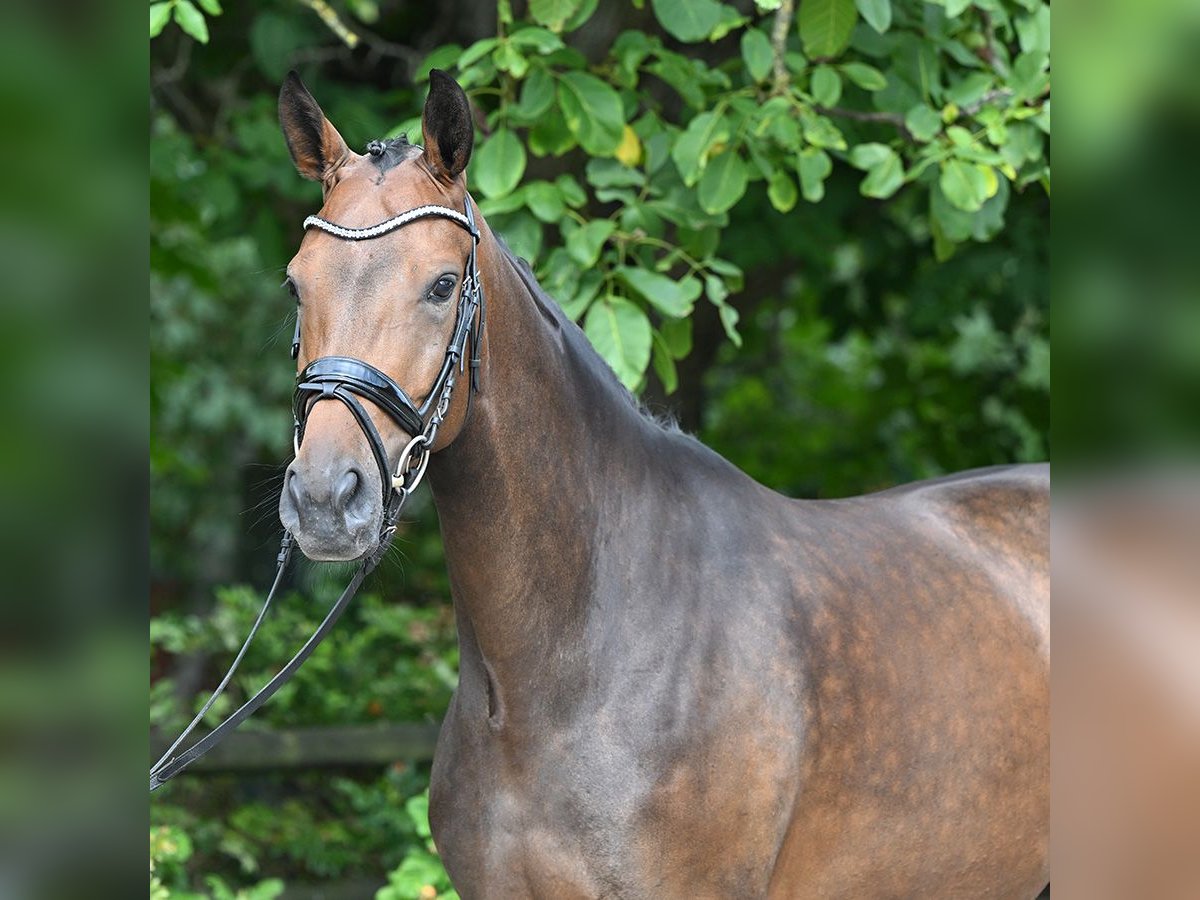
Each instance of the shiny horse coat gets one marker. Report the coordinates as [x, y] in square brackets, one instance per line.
[674, 682]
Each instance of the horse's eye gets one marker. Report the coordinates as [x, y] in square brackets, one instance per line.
[442, 288]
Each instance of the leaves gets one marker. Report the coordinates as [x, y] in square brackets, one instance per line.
[866, 77]
[922, 122]
[757, 54]
[592, 111]
[584, 243]
[499, 164]
[667, 295]
[160, 15]
[655, 180]
[884, 179]
[687, 20]
[826, 86]
[620, 332]
[814, 166]
[964, 184]
[723, 183]
[691, 148]
[826, 26]
[877, 13]
[553, 13]
[781, 191]
[191, 20]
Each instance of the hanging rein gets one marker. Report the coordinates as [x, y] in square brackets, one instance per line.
[347, 380]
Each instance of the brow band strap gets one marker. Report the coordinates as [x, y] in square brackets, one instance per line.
[374, 231]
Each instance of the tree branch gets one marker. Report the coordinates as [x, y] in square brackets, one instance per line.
[329, 16]
[858, 115]
[779, 34]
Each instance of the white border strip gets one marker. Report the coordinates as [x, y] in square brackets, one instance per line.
[373, 231]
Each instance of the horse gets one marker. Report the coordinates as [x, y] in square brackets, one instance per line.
[674, 682]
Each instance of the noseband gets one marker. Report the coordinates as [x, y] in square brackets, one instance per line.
[347, 379]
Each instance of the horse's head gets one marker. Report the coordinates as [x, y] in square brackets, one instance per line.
[391, 301]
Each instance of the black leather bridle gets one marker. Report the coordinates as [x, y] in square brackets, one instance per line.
[350, 381]
[347, 379]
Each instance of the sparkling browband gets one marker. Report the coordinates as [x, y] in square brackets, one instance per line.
[362, 234]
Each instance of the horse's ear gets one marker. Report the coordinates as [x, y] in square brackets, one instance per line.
[314, 143]
[447, 126]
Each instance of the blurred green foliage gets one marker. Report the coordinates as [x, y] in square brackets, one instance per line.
[816, 236]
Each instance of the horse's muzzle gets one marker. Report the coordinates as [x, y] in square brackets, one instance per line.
[334, 511]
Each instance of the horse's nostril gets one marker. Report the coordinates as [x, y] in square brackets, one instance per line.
[345, 489]
[294, 490]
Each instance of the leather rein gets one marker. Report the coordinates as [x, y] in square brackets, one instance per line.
[347, 380]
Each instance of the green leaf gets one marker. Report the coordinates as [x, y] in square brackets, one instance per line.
[620, 332]
[826, 86]
[826, 26]
[687, 20]
[821, 132]
[1029, 75]
[571, 192]
[878, 13]
[677, 335]
[868, 156]
[477, 51]
[964, 184]
[664, 365]
[668, 296]
[730, 21]
[884, 178]
[734, 277]
[160, 15]
[607, 173]
[715, 289]
[589, 284]
[212, 7]
[504, 204]
[509, 59]
[814, 166]
[781, 191]
[553, 13]
[191, 20]
[537, 39]
[537, 93]
[757, 54]
[581, 15]
[729, 320]
[499, 164]
[922, 122]
[545, 201]
[969, 89]
[593, 112]
[1033, 31]
[585, 242]
[691, 148]
[866, 77]
[723, 183]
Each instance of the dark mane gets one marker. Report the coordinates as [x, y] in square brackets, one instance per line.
[391, 152]
[575, 337]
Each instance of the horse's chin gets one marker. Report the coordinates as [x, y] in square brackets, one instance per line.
[324, 550]
[329, 545]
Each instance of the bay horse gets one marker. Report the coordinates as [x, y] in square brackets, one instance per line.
[674, 682]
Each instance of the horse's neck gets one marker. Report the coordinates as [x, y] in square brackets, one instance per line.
[525, 489]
